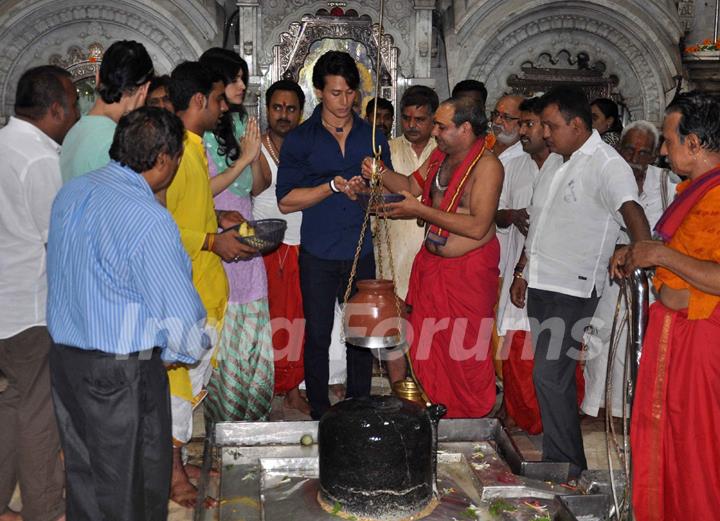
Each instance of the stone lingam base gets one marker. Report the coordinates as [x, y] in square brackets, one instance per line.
[335, 508]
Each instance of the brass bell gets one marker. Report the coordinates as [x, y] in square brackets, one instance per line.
[409, 390]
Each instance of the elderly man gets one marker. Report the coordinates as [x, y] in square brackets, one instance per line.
[454, 277]
[46, 106]
[638, 144]
[120, 303]
[676, 411]
[576, 216]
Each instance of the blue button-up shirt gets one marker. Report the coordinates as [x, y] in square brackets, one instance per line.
[119, 280]
[311, 156]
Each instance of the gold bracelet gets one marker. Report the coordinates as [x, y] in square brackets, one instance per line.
[210, 241]
[518, 275]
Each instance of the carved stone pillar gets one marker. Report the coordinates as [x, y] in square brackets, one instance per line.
[423, 37]
[247, 47]
[249, 29]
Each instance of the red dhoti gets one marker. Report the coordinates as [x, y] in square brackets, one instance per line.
[286, 312]
[518, 388]
[452, 322]
[676, 419]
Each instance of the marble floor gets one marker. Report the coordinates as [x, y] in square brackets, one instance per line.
[531, 446]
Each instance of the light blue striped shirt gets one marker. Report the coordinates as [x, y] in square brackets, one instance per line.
[119, 279]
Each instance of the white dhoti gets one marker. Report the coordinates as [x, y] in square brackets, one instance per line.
[182, 408]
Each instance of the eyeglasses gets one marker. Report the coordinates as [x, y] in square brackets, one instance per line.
[502, 115]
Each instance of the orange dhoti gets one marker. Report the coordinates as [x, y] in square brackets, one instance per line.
[451, 323]
[676, 419]
[286, 315]
[518, 389]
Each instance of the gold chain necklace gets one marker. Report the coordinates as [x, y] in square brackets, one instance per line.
[271, 149]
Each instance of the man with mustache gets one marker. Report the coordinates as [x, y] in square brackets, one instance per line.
[676, 409]
[576, 215]
[521, 174]
[408, 152]
[284, 101]
[638, 146]
[454, 275]
[505, 120]
[385, 115]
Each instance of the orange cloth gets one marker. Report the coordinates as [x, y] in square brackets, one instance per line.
[676, 419]
[698, 236]
[285, 302]
[451, 324]
[518, 389]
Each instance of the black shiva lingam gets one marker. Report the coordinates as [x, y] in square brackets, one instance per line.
[378, 458]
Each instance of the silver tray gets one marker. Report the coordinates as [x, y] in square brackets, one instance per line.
[267, 474]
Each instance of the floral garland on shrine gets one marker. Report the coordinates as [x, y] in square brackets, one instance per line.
[706, 45]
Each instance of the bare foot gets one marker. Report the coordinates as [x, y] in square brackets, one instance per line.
[11, 515]
[294, 400]
[338, 390]
[182, 491]
[194, 471]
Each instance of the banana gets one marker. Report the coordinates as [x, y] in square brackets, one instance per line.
[245, 230]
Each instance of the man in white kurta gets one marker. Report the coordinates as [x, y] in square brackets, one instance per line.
[656, 187]
[408, 152]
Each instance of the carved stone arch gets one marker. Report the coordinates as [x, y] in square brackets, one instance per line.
[643, 56]
[31, 34]
[396, 24]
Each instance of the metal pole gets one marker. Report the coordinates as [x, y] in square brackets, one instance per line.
[717, 20]
[639, 303]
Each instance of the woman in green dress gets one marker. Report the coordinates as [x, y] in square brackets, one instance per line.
[241, 384]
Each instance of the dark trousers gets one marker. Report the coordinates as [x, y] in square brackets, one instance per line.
[323, 282]
[29, 443]
[114, 421]
[555, 319]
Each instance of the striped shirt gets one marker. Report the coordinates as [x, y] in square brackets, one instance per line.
[119, 280]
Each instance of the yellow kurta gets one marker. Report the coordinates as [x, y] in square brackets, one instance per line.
[190, 201]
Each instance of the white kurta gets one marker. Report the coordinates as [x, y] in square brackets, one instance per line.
[598, 342]
[521, 174]
[406, 236]
[513, 183]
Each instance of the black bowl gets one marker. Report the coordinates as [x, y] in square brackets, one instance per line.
[269, 233]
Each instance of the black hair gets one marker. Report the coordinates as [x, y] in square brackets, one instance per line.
[38, 88]
[382, 104]
[186, 80]
[468, 110]
[125, 66]
[465, 86]
[227, 64]
[420, 96]
[533, 105]
[336, 63]
[700, 115]
[158, 82]
[571, 102]
[610, 110]
[143, 134]
[285, 85]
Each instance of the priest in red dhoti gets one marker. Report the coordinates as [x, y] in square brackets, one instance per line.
[454, 279]
[676, 410]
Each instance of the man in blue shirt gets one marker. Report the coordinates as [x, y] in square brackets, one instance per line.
[120, 303]
[317, 161]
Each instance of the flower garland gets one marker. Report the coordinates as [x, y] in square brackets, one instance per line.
[706, 45]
